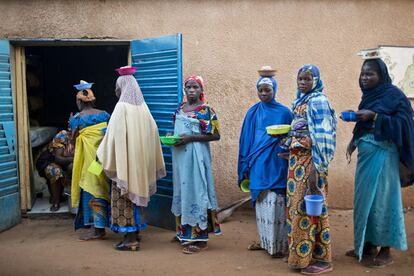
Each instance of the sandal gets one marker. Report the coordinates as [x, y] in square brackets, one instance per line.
[90, 236]
[192, 248]
[380, 263]
[54, 208]
[316, 269]
[134, 246]
[255, 246]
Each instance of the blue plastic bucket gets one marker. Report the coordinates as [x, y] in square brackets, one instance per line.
[314, 205]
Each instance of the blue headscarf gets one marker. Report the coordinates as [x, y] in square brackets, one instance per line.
[395, 117]
[317, 86]
[320, 118]
[258, 151]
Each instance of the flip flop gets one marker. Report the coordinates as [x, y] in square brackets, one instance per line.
[134, 246]
[90, 237]
[255, 246]
[316, 270]
[192, 249]
[380, 263]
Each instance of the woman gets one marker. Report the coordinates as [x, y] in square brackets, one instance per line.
[55, 164]
[194, 198]
[131, 156]
[384, 136]
[90, 191]
[311, 148]
[259, 162]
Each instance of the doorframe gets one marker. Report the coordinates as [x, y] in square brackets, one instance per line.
[19, 90]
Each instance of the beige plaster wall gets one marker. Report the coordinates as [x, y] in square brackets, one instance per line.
[227, 41]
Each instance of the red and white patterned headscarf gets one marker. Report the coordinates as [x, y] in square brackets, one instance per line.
[200, 82]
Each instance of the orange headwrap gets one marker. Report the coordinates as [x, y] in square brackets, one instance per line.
[90, 97]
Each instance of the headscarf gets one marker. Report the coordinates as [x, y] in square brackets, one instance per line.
[321, 120]
[200, 82]
[258, 151]
[394, 116]
[89, 97]
[128, 90]
[317, 86]
[269, 81]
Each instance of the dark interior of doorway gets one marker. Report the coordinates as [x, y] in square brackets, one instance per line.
[51, 72]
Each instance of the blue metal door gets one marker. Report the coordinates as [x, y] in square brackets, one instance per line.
[9, 183]
[159, 74]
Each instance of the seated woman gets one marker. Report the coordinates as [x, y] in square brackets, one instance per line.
[55, 164]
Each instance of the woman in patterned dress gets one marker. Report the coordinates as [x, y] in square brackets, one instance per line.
[311, 143]
[89, 192]
[194, 198]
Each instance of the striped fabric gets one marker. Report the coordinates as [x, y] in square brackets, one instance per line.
[322, 127]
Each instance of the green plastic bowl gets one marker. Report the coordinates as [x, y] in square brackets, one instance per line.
[244, 185]
[278, 129]
[169, 140]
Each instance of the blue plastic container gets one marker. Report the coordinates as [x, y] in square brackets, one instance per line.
[348, 116]
[314, 205]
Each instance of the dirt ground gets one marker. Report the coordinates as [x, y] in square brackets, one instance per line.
[47, 247]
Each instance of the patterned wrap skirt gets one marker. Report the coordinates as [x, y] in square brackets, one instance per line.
[126, 217]
[271, 222]
[309, 237]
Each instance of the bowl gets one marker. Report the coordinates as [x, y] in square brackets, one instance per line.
[278, 129]
[348, 116]
[83, 86]
[244, 185]
[126, 70]
[170, 140]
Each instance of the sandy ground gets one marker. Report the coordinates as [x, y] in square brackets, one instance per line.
[47, 247]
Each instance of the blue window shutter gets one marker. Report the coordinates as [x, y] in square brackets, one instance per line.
[9, 182]
[159, 74]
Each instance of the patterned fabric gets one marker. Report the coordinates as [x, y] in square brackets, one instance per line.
[320, 119]
[309, 237]
[200, 82]
[187, 233]
[80, 121]
[126, 217]
[271, 222]
[91, 212]
[193, 184]
[378, 212]
[54, 172]
[205, 115]
[128, 90]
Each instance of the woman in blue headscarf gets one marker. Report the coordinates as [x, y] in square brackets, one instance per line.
[384, 135]
[311, 144]
[259, 162]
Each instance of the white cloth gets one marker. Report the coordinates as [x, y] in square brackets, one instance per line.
[130, 152]
[271, 222]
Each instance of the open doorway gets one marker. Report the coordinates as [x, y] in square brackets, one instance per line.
[51, 72]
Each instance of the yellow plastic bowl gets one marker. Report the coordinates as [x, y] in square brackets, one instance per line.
[244, 185]
[278, 129]
[169, 140]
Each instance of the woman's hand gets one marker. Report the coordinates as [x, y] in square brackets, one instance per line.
[349, 150]
[284, 155]
[184, 139]
[365, 115]
[313, 178]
